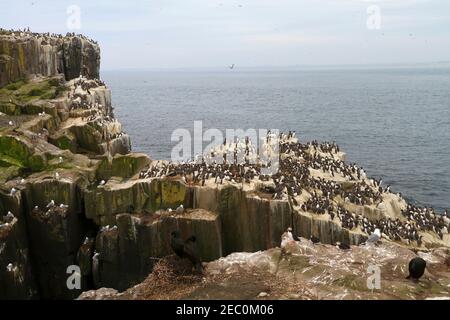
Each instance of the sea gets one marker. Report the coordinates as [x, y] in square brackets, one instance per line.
[394, 121]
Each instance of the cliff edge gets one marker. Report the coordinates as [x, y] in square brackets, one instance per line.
[73, 194]
[24, 54]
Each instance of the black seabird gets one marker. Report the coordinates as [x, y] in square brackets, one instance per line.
[343, 246]
[416, 268]
[186, 249]
[314, 239]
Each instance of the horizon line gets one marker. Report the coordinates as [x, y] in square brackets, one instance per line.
[297, 66]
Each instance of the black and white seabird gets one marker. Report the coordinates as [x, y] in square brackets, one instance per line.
[314, 239]
[286, 238]
[342, 246]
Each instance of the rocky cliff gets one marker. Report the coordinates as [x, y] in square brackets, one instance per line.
[73, 193]
[23, 54]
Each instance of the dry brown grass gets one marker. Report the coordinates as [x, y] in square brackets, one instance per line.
[172, 278]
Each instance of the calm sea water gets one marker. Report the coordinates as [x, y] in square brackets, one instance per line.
[393, 122]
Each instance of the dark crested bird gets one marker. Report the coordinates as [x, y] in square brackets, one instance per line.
[186, 249]
[416, 268]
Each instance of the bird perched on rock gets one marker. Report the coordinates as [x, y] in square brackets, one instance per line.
[286, 238]
[186, 249]
[416, 268]
[374, 237]
[9, 216]
[51, 204]
[180, 209]
[56, 175]
[11, 123]
[9, 267]
[13, 191]
[314, 239]
[102, 183]
[342, 246]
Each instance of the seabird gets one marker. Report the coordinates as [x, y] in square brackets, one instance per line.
[374, 237]
[314, 239]
[56, 175]
[102, 183]
[9, 216]
[416, 268]
[51, 204]
[286, 238]
[13, 191]
[180, 209]
[9, 267]
[186, 249]
[11, 123]
[342, 246]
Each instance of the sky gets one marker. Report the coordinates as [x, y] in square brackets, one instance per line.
[251, 33]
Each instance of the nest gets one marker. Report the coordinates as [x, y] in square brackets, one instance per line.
[171, 278]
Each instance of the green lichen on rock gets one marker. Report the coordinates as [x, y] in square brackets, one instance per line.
[173, 193]
[22, 93]
[88, 138]
[103, 203]
[124, 166]
[64, 141]
[10, 108]
[22, 153]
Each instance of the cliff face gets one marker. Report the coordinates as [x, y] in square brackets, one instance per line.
[302, 271]
[72, 193]
[23, 55]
